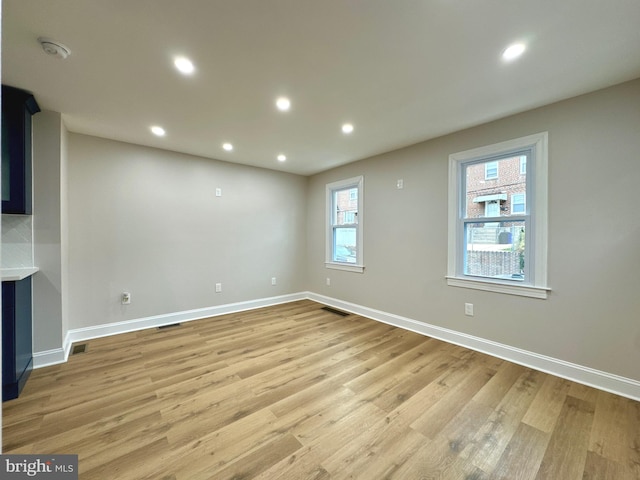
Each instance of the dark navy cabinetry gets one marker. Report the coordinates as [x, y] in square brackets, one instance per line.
[17, 350]
[17, 108]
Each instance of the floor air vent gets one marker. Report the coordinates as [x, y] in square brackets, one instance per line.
[80, 348]
[336, 311]
[165, 327]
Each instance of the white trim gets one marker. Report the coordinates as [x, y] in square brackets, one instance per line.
[537, 188]
[608, 382]
[52, 357]
[541, 204]
[499, 287]
[49, 357]
[348, 267]
[357, 182]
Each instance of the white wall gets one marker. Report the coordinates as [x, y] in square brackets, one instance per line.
[591, 316]
[147, 221]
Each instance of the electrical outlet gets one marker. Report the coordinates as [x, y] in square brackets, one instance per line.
[400, 184]
[218, 192]
[468, 309]
[218, 287]
[273, 281]
[328, 281]
[126, 298]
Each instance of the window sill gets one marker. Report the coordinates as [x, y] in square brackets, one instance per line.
[345, 266]
[499, 287]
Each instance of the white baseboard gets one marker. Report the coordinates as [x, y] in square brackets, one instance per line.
[49, 357]
[52, 357]
[608, 382]
[588, 376]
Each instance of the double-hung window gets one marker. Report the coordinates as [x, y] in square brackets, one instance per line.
[344, 225]
[498, 229]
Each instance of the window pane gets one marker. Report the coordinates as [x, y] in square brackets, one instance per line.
[495, 250]
[345, 204]
[492, 196]
[344, 244]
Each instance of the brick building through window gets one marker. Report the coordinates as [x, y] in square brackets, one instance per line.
[495, 189]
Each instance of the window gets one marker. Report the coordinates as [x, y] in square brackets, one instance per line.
[344, 225]
[506, 251]
[523, 165]
[518, 203]
[491, 170]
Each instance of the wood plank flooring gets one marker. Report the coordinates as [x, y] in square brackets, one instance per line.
[294, 392]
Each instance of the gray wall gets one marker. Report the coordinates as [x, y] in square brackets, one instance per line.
[64, 227]
[147, 221]
[48, 157]
[591, 316]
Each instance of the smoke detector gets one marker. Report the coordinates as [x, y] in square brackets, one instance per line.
[54, 48]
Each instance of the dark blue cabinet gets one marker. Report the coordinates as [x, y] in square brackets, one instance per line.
[17, 108]
[17, 349]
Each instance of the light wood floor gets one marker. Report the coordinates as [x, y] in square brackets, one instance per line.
[293, 392]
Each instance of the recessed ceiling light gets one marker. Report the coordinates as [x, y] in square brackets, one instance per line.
[184, 65]
[159, 131]
[282, 158]
[513, 51]
[347, 128]
[227, 146]
[283, 104]
[52, 47]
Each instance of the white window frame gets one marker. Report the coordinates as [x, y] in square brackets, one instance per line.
[536, 210]
[355, 182]
[523, 165]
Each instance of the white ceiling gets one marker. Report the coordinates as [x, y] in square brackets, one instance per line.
[401, 71]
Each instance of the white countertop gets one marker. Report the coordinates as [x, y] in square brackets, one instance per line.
[15, 274]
